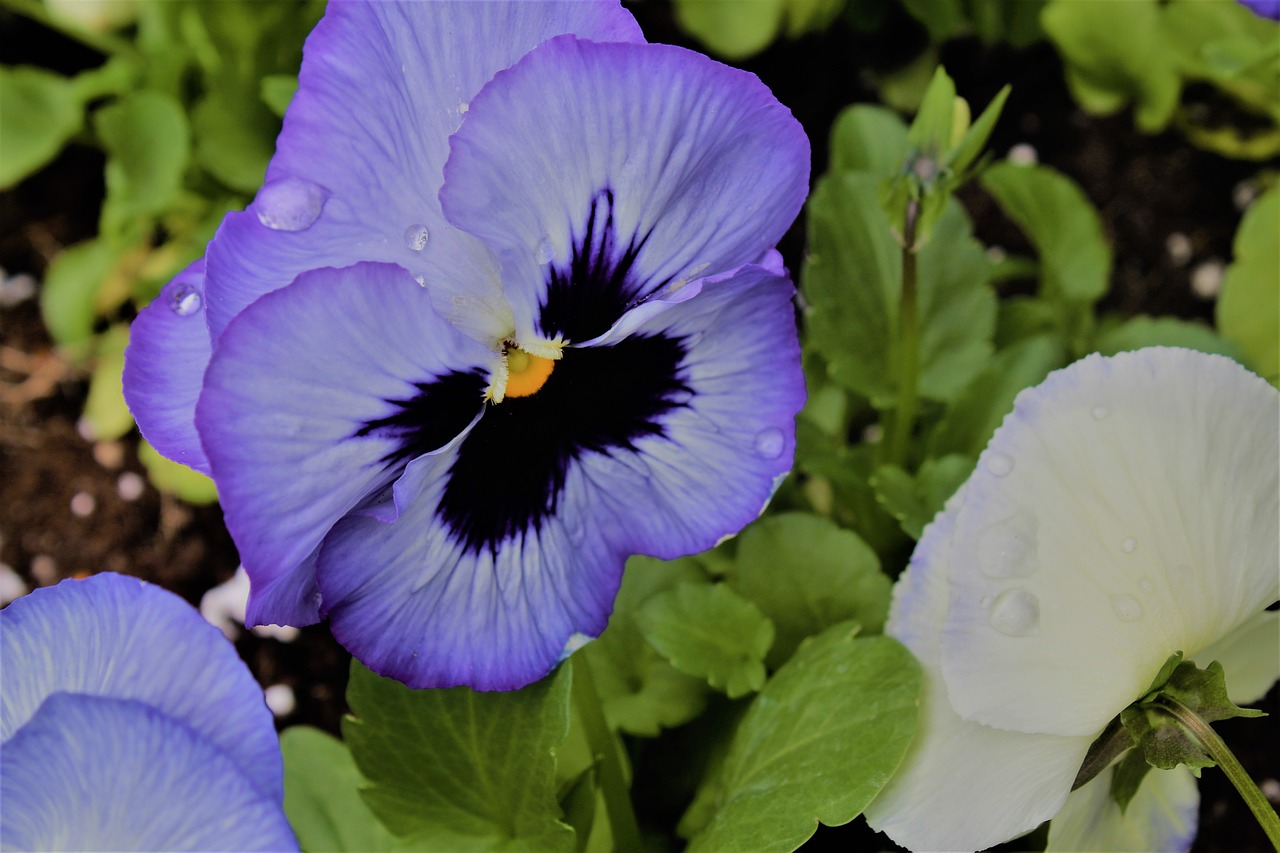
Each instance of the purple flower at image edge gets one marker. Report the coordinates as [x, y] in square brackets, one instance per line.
[1264, 8]
[129, 723]
[506, 311]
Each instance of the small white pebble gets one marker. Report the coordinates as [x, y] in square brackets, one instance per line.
[1024, 154]
[44, 569]
[85, 427]
[83, 504]
[1271, 789]
[1179, 247]
[873, 433]
[1244, 194]
[281, 633]
[996, 254]
[11, 584]
[109, 454]
[130, 486]
[280, 699]
[1206, 278]
[16, 289]
[224, 608]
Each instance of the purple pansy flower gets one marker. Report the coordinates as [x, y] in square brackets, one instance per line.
[506, 311]
[128, 723]
[1265, 8]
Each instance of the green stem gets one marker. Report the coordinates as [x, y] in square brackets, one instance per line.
[1218, 750]
[604, 747]
[898, 440]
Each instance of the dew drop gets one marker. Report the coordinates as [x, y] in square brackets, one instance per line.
[1015, 612]
[1000, 464]
[1100, 412]
[415, 237]
[290, 204]
[1008, 549]
[421, 280]
[769, 443]
[1126, 607]
[545, 253]
[1129, 545]
[184, 300]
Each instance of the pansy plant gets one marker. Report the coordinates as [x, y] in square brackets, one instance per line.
[506, 311]
[1124, 514]
[128, 723]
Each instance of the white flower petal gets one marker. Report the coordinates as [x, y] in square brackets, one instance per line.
[1250, 657]
[1128, 508]
[1161, 816]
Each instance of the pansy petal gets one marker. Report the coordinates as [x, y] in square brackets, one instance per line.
[962, 786]
[1250, 657]
[359, 161]
[90, 773]
[164, 365]
[115, 636]
[1162, 816]
[602, 173]
[1127, 508]
[510, 544]
[300, 421]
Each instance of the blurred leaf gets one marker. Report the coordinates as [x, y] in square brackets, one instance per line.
[709, 631]
[454, 769]
[321, 795]
[39, 112]
[1223, 42]
[807, 749]
[147, 141]
[737, 29]
[70, 286]
[915, 500]
[970, 422]
[806, 575]
[851, 280]
[278, 91]
[904, 87]
[105, 411]
[1114, 53]
[1143, 331]
[234, 139]
[1248, 309]
[868, 138]
[640, 692]
[942, 18]
[175, 478]
[1075, 260]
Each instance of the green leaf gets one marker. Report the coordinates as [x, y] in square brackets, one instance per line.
[1204, 691]
[459, 770]
[914, 501]
[942, 18]
[969, 424]
[1053, 212]
[817, 744]
[148, 143]
[278, 90]
[852, 279]
[39, 112]
[70, 288]
[868, 138]
[1248, 309]
[806, 575]
[1143, 331]
[105, 412]
[733, 29]
[321, 795]
[175, 478]
[1115, 53]
[234, 139]
[641, 693]
[711, 632]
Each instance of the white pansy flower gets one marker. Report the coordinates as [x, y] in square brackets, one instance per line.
[1128, 508]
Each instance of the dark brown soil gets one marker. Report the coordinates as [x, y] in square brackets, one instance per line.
[1147, 188]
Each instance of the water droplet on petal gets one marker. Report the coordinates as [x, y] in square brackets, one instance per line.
[184, 300]
[545, 253]
[999, 464]
[290, 204]
[769, 443]
[1008, 548]
[1126, 607]
[1100, 412]
[1129, 545]
[421, 280]
[1015, 612]
[415, 237]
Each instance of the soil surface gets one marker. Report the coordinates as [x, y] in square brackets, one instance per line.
[70, 507]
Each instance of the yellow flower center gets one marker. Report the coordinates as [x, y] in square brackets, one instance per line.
[526, 373]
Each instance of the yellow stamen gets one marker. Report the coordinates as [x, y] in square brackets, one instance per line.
[526, 373]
